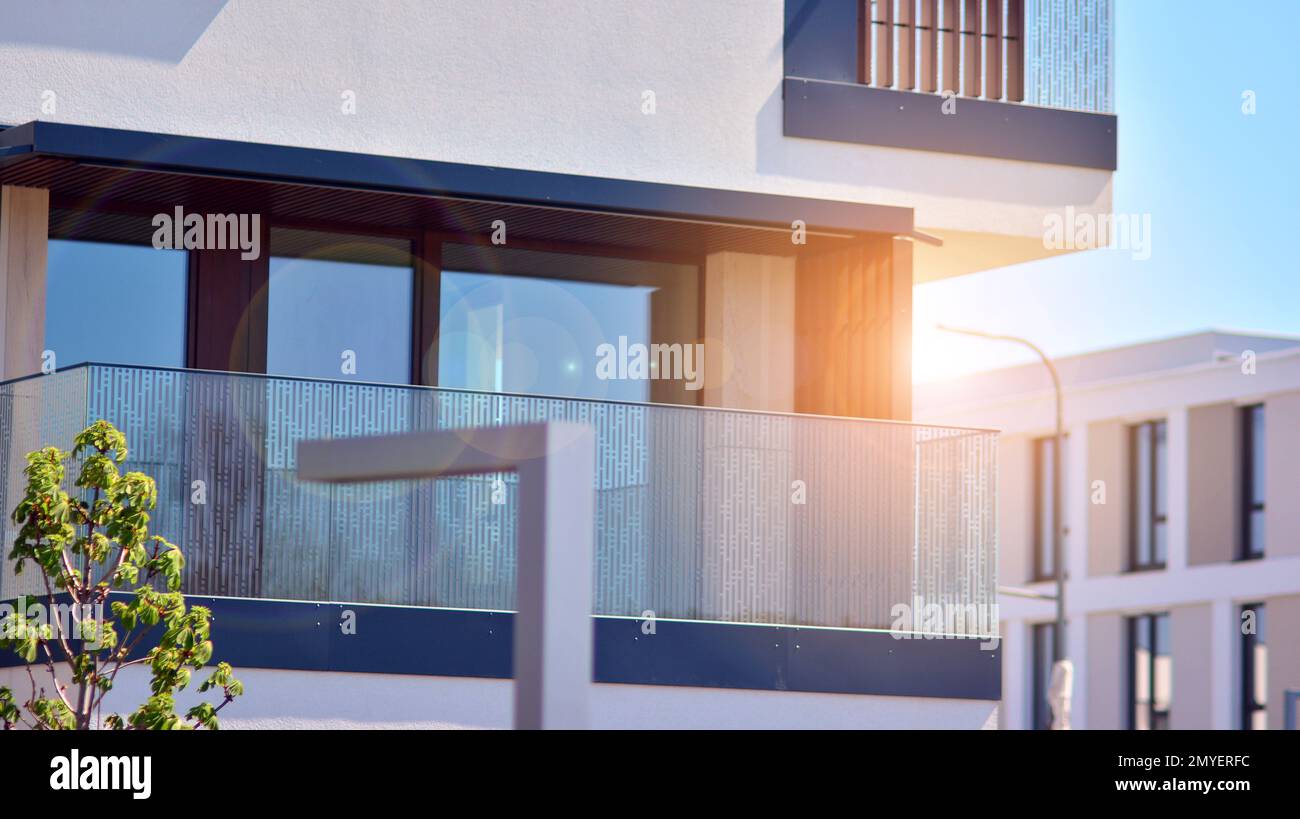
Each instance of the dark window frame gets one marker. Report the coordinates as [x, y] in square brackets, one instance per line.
[1043, 636]
[426, 262]
[249, 306]
[1157, 719]
[1151, 483]
[1249, 705]
[1249, 550]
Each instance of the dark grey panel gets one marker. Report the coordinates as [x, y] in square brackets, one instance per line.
[849, 112]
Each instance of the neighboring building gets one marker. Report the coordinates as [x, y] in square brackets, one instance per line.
[1181, 482]
[466, 202]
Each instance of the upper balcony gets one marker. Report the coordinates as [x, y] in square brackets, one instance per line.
[1028, 80]
[717, 518]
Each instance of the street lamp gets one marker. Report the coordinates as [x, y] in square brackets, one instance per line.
[1060, 675]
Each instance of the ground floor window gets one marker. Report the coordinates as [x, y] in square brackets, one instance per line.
[1254, 668]
[1151, 672]
[1044, 637]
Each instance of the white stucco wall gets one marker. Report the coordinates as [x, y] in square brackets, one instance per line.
[306, 699]
[534, 84]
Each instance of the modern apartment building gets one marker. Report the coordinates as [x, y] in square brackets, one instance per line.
[1182, 552]
[230, 226]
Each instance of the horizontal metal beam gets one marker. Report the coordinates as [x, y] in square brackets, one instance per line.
[371, 172]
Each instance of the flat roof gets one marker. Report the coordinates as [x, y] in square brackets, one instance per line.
[1127, 361]
[81, 163]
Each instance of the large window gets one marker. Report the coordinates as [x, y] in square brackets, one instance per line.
[1044, 567]
[526, 321]
[1254, 669]
[339, 307]
[1151, 672]
[115, 303]
[1044, 637]
[1149, 479]
[1252, 505]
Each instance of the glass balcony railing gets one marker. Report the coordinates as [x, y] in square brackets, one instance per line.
[701, 514]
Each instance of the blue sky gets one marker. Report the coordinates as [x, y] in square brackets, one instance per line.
[1221, 188]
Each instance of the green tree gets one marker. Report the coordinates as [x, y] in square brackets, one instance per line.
[86, 547]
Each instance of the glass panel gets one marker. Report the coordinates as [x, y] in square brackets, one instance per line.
[1142, 487]
[1163, 666]
[1046, 453]
[1160, 551]
[339, 307]
[1160, 490]
[566, 324]
[147, 287]
[1257, 532]
[1142, 689]
[1042, 671]
[1257, 454]
[1140, 640]
[532, 335]
[1260, 657]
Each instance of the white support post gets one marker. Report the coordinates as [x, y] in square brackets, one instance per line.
[555, 463]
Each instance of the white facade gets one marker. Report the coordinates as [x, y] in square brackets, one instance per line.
[678, 92]
[1195, 383]
[522, 84]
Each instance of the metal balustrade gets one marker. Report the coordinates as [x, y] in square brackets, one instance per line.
[701, 514]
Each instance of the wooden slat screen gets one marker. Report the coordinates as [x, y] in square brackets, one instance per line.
[929, 45]
[906, 35]
[974, 48]
[853, 331]
[971, 41]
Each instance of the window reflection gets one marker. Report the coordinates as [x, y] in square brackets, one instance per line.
[1149, 486]
[115, 303]
[1254, 668]
[339, 306]
[527, 321]
[1151, 672]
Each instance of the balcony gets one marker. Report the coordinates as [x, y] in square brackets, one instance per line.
[702, 514]
[1029, 80]
[1051, 53]
[771, 549]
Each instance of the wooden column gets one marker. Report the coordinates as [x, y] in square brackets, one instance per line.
[853, 331]
[749, 331]
[24, 240]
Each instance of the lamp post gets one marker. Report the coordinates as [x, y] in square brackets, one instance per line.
[554, 463]
[1061, 682]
